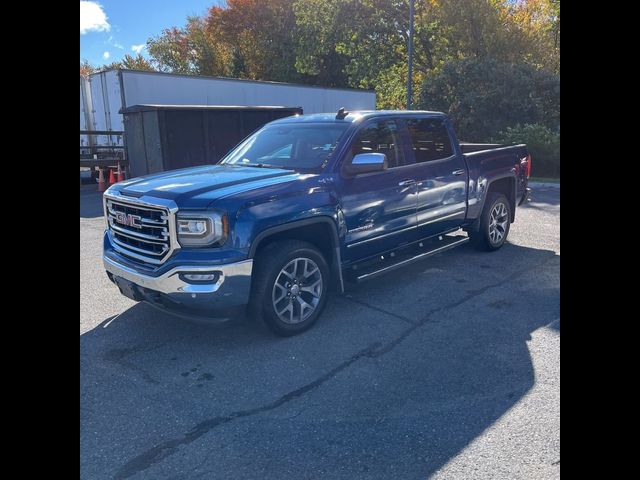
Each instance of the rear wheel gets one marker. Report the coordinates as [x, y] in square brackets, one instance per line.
[291, 284]
[494, 223]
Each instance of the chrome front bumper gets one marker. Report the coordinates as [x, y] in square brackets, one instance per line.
[230, 288]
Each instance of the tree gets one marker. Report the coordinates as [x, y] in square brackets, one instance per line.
[195, 49]
[246, 38]
[261, 36]
[391, 87]
[134, 63]
[171, 51]
[485, 96]
[364, 43]
[537, 26]
[359, 43]
[137, 63]
[319, 29]
[86, 68]
[542, 143]
[475, 28]
[210, 54]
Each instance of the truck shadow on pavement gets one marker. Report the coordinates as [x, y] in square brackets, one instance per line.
[394, 381]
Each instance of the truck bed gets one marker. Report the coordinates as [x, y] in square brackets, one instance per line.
[467, 147]
[493, 160]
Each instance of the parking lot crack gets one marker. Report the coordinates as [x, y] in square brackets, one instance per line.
[378, 309]
[429, 316]
[156, 454]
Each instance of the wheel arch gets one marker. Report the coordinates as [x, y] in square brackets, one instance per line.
[320, 231]
[507, 186]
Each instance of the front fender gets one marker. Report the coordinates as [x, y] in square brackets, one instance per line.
[253, 227]
[263, 214]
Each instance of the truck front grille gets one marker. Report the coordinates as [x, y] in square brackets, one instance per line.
[139, 231]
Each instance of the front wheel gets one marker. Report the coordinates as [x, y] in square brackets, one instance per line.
[291, 284]
[494, 223]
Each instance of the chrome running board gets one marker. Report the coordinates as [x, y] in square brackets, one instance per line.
[443, 245]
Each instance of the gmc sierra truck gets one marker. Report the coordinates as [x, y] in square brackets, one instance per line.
[302, 207]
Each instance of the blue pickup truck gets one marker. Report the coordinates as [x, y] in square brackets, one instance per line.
[305, 206]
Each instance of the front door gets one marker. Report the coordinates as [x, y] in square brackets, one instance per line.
[379, 207]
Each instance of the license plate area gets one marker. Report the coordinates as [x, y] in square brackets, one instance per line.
[127, 288]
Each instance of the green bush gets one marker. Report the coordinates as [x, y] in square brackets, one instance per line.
[542, 143]
[484, 96]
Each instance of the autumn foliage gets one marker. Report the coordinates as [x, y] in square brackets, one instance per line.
[363, 44]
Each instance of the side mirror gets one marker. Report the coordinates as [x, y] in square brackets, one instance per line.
[367, 163]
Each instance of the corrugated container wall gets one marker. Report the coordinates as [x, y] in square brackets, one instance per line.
[83, 98]
[86, 116]
[106, 100]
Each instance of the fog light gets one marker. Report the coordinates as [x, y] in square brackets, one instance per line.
[199, 277]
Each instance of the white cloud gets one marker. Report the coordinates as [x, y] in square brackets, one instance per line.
[93, 18]
[138, 48]
[113, 42]
[105, 55]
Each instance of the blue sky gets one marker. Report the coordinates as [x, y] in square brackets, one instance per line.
[109, 29]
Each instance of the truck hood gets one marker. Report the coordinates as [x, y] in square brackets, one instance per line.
[197, 187]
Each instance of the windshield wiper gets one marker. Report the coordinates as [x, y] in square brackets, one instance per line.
[263, 165]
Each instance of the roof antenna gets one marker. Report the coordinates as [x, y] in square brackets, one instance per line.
[341, 113]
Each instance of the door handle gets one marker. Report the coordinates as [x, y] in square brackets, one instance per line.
[457, 172]
[404, 183]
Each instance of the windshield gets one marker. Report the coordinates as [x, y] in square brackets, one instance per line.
[292, 146]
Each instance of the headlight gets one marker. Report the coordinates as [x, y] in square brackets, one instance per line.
[201, 229]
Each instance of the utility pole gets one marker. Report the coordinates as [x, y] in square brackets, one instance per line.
[410, 73]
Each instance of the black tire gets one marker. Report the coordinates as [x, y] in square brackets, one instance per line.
[268, 270]
[483, 238]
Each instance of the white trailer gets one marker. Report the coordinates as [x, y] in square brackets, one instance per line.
[111, 90]
[86, 111]
[105, 93]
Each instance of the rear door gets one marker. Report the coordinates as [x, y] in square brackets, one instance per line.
[379, 207]
[441, 175]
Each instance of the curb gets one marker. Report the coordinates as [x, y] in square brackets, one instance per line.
[543, 185]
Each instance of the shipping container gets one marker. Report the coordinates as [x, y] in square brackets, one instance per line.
[167, 137]
[106, 101]
[86, 122]
[112, 90]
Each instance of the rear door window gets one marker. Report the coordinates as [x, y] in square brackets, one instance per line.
[429, 139]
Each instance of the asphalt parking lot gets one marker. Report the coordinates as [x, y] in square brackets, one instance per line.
[446, 369]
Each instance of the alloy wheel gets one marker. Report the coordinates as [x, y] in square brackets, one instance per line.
[498, 223]
[297, 290]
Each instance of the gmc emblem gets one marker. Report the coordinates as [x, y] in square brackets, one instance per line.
[128, 219]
